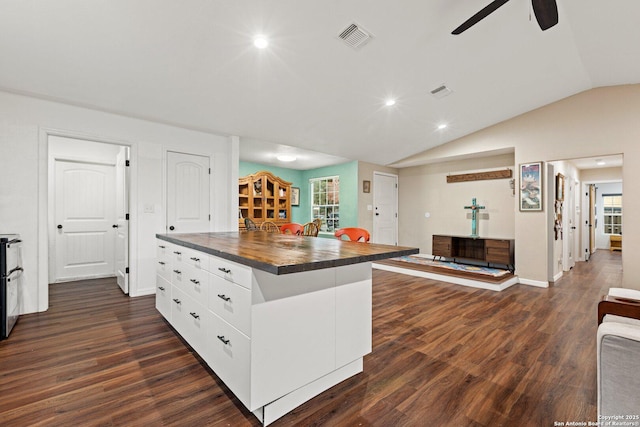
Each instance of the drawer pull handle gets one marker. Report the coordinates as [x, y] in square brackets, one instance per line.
[177, 253]
[224, 297]
[177, 301]
[195, 315]
[225, 341]
[177, 271]
[162, 247]
[195, 259]
[160, 262]
[224, 270]
[161, 288]
[197, 282]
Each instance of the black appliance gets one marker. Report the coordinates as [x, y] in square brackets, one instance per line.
[10, 282]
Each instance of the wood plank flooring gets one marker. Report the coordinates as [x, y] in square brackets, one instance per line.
[443, 355]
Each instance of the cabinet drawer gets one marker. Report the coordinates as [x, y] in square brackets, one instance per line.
[228, 353]
[163, 268]
[192, 258]
[163, 250]
[192, 281]
[498, 255]
[229, 270]
[230, 302]
[187, 317]
[163, 297]
[504, 244]
[442, 246]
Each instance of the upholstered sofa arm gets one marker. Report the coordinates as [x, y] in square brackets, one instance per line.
[618, 353]
[619, 306]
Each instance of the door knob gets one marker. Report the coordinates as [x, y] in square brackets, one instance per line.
[172, 228]
[59, 226]
[114, 226]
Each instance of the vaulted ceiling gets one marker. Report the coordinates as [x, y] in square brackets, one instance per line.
[192, 63]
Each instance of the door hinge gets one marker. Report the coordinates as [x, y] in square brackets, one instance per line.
[396, 214]
[126, 270]
[126, 217]
[126, 163]
[209, 217]
[209, 171]
[396, 185]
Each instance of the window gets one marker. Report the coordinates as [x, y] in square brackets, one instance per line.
[612, 213]
[325, 201]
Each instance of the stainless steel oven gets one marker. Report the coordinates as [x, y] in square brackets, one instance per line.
[11, 282]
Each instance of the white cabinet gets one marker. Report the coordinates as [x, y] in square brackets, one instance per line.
[275, 340]
[230, 302]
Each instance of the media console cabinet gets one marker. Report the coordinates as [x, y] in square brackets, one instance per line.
[279, 318]
[481, 249]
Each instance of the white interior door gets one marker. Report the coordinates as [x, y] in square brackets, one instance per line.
[385, 210]
[84, 218]
[569, 226]
[187, 193]
[122, 221]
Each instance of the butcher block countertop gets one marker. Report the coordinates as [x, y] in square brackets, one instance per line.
[284, 253]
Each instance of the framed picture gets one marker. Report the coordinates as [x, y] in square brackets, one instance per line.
[531, 189]
[295, 196]
[366, 186]
[560, 187]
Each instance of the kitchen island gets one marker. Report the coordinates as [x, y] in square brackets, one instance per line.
[278, 318]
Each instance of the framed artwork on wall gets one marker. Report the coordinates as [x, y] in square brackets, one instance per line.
[531, 189]
[295, 196]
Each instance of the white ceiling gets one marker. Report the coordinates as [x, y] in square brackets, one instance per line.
[192, 63]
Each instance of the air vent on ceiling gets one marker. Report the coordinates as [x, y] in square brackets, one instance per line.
[441, 92]
[355, 36]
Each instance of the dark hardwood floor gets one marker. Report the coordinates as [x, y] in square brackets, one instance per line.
[443, 355]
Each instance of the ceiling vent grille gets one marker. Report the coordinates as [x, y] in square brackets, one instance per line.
[441, 92]
[355, 36]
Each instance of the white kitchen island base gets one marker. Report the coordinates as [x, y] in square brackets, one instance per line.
[275, 339]
[271, 412]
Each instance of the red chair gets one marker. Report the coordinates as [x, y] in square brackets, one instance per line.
[354, 234]
[291, 228]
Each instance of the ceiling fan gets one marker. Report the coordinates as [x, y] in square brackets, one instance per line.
[546, 12]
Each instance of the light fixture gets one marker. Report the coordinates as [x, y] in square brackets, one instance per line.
[600, 162]
[286, 158]
[442, 126]
[389, 102]
[260, 42]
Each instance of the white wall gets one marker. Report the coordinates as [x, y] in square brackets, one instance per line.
[424, 190]
[25, 125]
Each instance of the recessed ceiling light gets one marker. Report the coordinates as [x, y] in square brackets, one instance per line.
[600, 162]
[260, 42]
[390, 102]
[442, 126]
[286, 158]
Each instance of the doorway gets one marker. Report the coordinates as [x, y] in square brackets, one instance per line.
[88, 217]
[385, 211]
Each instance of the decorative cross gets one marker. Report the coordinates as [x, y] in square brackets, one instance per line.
[474, 214]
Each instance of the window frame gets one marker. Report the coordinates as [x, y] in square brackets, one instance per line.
[323, 209]
[611, 227]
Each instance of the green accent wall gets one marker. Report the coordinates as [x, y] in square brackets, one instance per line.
[348, 173]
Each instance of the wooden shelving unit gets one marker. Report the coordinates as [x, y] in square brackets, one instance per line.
[262, 196]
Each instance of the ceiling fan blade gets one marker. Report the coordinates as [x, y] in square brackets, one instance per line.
[546, 12]
[486, 11]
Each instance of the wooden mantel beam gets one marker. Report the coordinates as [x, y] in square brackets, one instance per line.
[479, 176]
